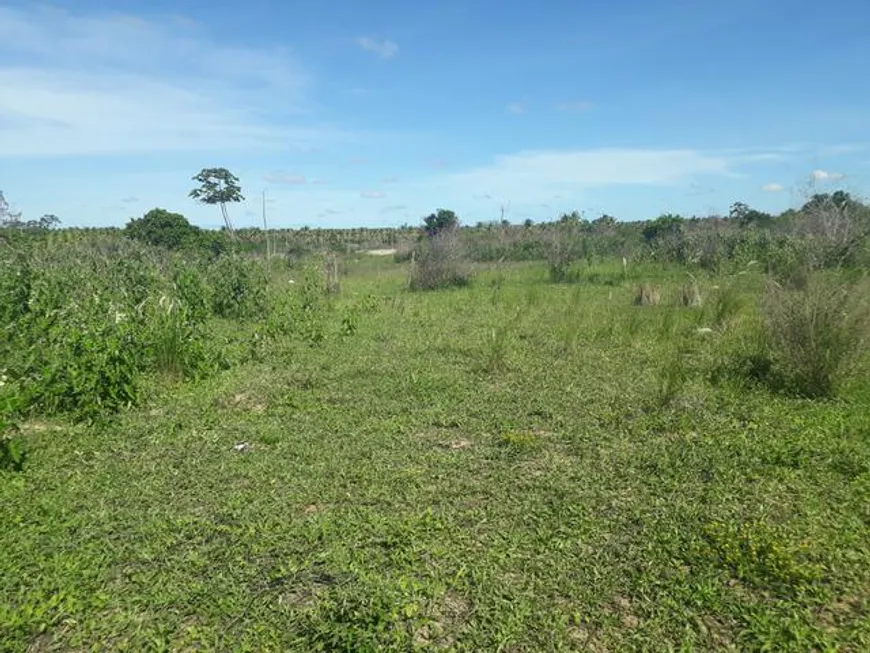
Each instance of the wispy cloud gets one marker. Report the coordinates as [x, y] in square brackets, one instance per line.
[574, 107]
[284, 178]
[515, 108]
[535, 175]
[76, 84]
[389, 180]
[773, 188]
[385, 49]
[130, 200]
[824, 175]
[394, 207]
[319, 182]
[372, 194]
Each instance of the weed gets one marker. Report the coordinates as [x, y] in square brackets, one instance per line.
[520, 440]
[725, 307]
[439, 262]
[757, 554]
[672, 377]
[815, 334]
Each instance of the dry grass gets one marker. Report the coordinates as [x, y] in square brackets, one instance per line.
[439, 262]
[690, 296]
[648, 295]
[815, 334]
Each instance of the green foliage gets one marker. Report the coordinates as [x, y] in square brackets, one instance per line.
[161, 228]
[192, 289]
[12, 454]
[174, 341]
[218, 186]
[441, 221]
[238, 288]
[85, 323]
[378, 491]
[666, 238]
[757, 554]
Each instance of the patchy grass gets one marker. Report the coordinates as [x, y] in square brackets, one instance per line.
[511, 466]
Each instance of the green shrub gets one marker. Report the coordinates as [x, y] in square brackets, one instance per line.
[90, 318]
[193, 291]
[238, 287]
[162, 228]
[85, 361]
[12, 454]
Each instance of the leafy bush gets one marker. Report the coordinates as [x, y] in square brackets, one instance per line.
[815, 334]
[162, 228]
[12, 454]
[238, 287]
[87, 320]
[83, 359]
[439, 262]
[193, 291]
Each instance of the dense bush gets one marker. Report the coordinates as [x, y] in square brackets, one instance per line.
[84, 322]
[162, 228]
[238, 287]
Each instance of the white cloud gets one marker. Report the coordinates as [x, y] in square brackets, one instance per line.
[113, 84]
[284, 178]
[574, 107]
[824, 175]
[536, 175]
[385, 49]
[516, 108]
[372, 194]
[773, 188]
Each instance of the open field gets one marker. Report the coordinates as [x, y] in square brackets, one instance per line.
[513, 465]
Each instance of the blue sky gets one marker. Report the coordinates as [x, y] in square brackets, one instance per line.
[375, 113]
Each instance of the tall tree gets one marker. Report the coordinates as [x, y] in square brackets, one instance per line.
[218, 186]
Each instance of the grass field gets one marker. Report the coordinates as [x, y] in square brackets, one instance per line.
[515, 466]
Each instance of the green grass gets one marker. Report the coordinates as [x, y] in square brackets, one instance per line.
[512, 466]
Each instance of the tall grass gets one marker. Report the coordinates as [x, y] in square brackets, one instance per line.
[816, 334]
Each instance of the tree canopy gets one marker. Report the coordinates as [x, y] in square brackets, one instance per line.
[162, 228]
[440, 221]
[218, 186]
